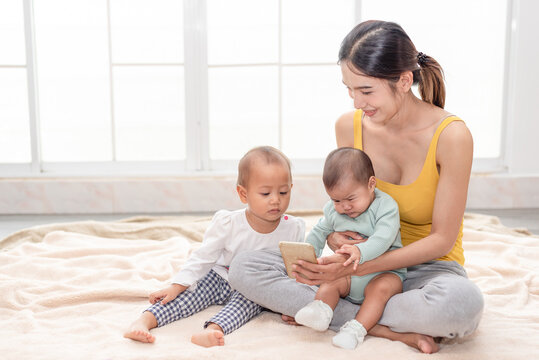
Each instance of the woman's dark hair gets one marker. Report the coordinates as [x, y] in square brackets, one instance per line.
[383, 50]
[346, 162]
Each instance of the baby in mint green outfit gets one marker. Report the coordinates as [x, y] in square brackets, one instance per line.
[356, 205]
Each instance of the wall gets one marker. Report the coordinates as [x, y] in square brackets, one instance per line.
[173, 195]
[168, 195]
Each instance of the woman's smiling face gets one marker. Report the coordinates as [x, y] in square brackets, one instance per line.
[372, 95]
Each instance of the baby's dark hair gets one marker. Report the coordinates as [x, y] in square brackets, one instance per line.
[347, 162]
[268, 154]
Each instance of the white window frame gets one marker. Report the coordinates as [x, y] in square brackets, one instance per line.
[196, 68]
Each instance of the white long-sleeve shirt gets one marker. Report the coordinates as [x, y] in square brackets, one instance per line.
[229, 234]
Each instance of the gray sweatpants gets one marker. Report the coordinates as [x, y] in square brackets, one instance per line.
[437, 299]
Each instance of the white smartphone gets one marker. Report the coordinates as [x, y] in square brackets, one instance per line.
[294, 251]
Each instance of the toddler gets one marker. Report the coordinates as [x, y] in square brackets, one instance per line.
[264, 184]
[355, 205]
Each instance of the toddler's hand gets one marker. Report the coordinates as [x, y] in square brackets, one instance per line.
[354, 253]
[167, 294]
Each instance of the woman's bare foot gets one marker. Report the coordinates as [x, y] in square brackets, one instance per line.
[426, 344]
[140, 329]
[423, 343]
[289, 320]
[209, 338]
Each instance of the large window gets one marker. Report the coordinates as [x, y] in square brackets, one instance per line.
[103, 87]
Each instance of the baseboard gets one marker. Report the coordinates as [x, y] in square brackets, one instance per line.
[207, 194]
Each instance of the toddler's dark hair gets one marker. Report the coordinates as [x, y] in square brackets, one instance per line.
[269, 154]
[345, 162]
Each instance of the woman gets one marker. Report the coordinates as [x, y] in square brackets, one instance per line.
[422, 157]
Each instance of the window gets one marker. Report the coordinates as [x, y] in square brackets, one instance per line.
[273, 77]
[172, 87]
[14, 118]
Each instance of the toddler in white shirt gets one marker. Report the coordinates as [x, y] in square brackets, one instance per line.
[264, 184]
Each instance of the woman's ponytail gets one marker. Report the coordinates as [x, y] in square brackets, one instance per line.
[431, 80]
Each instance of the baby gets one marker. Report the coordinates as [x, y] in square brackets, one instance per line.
[264, 184]
[356, 205]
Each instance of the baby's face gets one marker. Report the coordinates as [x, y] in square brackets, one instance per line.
[351, 197]
[268, 190]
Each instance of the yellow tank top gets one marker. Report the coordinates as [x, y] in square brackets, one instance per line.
[416, 200]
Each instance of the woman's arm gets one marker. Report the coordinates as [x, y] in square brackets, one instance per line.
[454, 157]
[336, 240]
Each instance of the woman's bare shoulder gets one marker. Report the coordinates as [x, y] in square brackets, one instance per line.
[455, 138]
[456, 131]
[344, 129]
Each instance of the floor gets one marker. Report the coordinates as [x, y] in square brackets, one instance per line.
[520, 218]
[515, 218]
[12, 223]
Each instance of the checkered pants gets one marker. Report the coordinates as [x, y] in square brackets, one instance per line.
[210, 290]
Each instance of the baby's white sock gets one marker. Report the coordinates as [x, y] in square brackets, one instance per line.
[350, 335]
[317, 315]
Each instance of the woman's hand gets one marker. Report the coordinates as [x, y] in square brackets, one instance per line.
[329, 268]
[167, 294]
[336, 240]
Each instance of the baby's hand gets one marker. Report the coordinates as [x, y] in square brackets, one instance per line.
[354, 253]
[167, 294]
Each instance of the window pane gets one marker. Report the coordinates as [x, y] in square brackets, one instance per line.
[14, 123]
[149, 113]
[243, 110]
[474, 93]
[73, 78]
[315, 37]
[147, 31]
[243, 31]
[313, 98]
[12, 51]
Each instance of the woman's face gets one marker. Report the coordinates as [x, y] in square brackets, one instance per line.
[372, 95]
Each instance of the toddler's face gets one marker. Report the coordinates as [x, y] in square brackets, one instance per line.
[268, 191]
[351, 197]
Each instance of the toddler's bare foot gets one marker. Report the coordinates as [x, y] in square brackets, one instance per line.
[209, 338]
[139, 331]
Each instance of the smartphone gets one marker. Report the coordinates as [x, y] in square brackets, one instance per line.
[294, 251]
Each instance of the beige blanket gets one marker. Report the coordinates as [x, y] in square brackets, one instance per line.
[68, 291]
